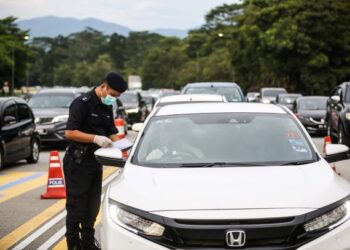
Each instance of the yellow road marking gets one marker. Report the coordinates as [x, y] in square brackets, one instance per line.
[23, 188]
[13, 176]
[19, 233]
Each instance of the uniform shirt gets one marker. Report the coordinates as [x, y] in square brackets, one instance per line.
[89, 115]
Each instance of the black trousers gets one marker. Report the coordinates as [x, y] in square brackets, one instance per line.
[83, 187]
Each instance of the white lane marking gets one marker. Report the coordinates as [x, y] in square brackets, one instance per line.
[52, 222]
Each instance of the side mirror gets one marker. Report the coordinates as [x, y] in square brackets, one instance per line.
[9, 119]
[137, 127]
[336, 152]
[335, 99]
[110, 157]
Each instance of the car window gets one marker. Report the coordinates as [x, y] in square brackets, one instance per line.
[23, 112]
[129, 99]
[54, 100]
[10, 111]
[347, 95]
[231, 94]
[313, 104]
[266, 139]
[273, 92]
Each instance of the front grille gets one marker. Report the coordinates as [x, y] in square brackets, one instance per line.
[275, 233]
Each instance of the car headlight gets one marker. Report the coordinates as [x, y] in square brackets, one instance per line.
[37, 120]
[347, 116]
[60, 118]
[134, 223]
[330, 219]
[135, 110]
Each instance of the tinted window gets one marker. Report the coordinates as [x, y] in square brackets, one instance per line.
[52, 100]
[23, 112]
[313, 104]
[273, 92]
[10, 111]
[231, 94]
[234, 138]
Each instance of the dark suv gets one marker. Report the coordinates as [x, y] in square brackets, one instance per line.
[135, 107]
[18, 139]
[338, 114]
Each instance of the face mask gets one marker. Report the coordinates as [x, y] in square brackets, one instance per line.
[108, 100]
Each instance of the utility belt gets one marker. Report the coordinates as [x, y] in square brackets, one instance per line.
[81, 151]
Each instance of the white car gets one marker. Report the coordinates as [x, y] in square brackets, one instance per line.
[190, 98]
[225, 175]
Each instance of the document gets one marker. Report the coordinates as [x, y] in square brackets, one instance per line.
[122, 144]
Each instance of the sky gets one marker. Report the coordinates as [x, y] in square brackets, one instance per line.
[135, 14]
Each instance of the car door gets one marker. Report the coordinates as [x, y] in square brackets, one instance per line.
[10, 131]
[26, 128]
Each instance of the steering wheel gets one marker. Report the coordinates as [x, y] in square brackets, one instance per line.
[179, 155]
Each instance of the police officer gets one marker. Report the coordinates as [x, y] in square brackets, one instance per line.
[90, 126]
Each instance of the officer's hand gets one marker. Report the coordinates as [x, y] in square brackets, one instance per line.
[102, 141]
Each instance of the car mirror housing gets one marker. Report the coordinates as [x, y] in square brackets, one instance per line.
[137, 127]
[336, 152]
[110, 157]
[335, 99]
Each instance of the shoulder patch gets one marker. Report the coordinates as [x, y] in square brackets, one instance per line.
[85, 98]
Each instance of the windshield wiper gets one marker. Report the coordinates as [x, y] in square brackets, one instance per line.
[218, 164]
[298, 162]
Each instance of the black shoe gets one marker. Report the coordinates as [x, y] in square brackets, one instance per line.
[91, 244]
[74, 245]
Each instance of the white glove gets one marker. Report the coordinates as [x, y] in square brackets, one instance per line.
[102, 141]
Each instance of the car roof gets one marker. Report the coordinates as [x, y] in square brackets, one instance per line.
[211, 84]
[191, 98]
[59, 90]
[312, 97]
[12, 98]
[272, 88]
[289, 94]
[207, 108]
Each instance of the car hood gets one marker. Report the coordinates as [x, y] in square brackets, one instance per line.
[161, 189]
[313, 113]
[50, 112]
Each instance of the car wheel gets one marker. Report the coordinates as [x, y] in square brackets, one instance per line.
[341, 136]
[34, 152]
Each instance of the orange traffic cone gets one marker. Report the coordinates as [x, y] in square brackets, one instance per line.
[55, 185]
[119, 123]
[326, 140]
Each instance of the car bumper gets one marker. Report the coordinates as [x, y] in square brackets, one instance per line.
[51, 133]
[117, 238]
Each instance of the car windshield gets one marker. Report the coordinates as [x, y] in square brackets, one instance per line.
[232, 94]
[313, 104]
[54, 100]
[129, 99]
[273, 92]
[288, 99]
[236, 138]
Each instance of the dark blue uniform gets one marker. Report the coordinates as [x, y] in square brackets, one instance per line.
[84, 175]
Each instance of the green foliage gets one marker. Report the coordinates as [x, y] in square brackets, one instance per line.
[298, 44]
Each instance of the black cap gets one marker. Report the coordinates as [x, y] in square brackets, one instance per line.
[116, 82]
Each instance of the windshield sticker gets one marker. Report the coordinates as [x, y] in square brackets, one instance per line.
[293, 135]
[298, 145]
